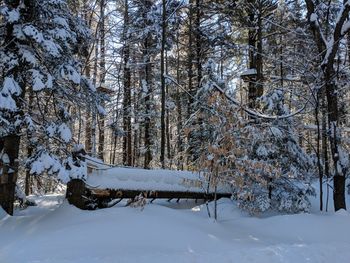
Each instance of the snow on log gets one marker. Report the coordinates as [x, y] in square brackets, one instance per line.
[152, 180]
[102, 186]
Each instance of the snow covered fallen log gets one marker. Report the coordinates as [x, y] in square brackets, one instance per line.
[103, 186]
[156, 180]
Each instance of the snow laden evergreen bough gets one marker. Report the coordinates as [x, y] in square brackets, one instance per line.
[261, 159]
[284, 170]
[40, 87]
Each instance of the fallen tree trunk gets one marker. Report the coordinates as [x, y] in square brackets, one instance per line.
[84, 197]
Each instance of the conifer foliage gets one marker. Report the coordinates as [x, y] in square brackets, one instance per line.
[40, 86]
[261, 159]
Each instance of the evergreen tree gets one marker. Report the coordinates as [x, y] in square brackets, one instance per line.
[38, 50]
[281, 173]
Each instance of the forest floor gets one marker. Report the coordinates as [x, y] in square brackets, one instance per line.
[56, 232]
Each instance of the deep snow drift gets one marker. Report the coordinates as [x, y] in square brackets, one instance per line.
[56, 232]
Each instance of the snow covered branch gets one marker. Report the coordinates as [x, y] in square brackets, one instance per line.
[342, 27]
[249, 111]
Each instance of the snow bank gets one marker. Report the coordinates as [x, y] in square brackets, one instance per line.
[161, 180]
[2, 213]
[54, 233]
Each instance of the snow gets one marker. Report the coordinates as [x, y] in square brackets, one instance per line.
[101, 110]
[262, 151]
[64, 132]
[329, 49]
[75, 171]
[343, 157]
[28, 56]
[13, 16]
[56, 232]
[51, 47]
[61, 21]
[313, 17]
[11, 87]
[51, 129]
[345, 28]
[276, 132]
[250, 71]
[49, 83]
[37, 80]
[96, 163]
[3, 214]
[45, 162]
[7, 103]
[71, 74]
[5, 158]
[31, 31]
[18, 32]
[141, 179]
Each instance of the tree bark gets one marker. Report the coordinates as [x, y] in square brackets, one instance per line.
[179, 108]
[190, 75]
[88, 136]
[255, 86]
[127, 138]
[318, 150]
[10, 143]
[190, 58]
[331, 90]
[93, 110]
[162, 79]
[8, 179]
[148, 96]
[101, 133]
[334, 139]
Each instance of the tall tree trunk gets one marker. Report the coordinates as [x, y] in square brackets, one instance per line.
[88, 136]
[148, 96]
[259, 56]
[325, 141]
[190, 75]
[9, 146]
[162, 79]
[101, 133]
[334, 139]
[255, 86]
[10, 143]
[93, 111]
[127, 138]
[198, 43]
[28, 179]
[179, 107]
[252, 58]
[318, 149]
[137, 95]
[329, 52]
[190, 59]
[167, 121]
[148, 140]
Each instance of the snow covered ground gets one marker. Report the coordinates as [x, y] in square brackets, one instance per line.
[56, 232]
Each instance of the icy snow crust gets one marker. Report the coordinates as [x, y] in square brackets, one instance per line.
[55, 232]
[152, 180]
